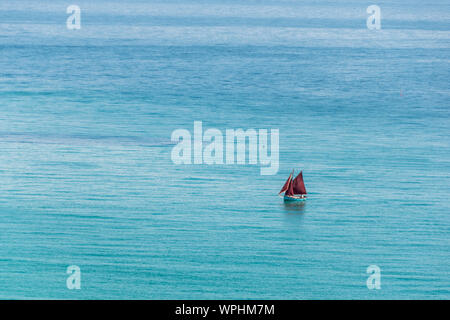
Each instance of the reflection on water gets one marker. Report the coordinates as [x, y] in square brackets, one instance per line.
[297, 207]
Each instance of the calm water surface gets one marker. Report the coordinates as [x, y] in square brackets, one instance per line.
[86, 176]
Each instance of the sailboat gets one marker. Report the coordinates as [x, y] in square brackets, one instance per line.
[294, 189]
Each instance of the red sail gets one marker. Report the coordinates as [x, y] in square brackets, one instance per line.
[299, 185]
[290, 190]
[286, 184]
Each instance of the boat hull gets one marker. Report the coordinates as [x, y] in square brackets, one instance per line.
[294, 198]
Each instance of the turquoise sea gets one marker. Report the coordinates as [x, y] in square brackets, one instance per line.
[86, 176]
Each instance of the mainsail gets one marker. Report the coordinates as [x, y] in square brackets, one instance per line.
[298, 184]
[290, 189]
[286, 184]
